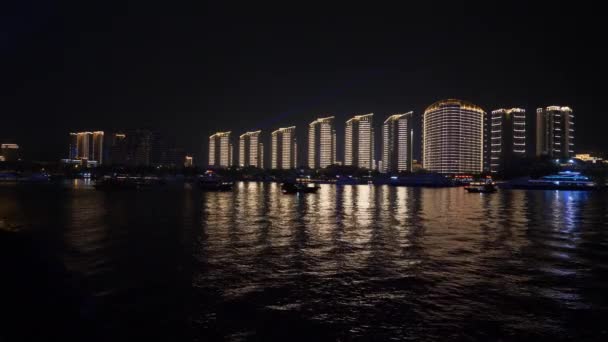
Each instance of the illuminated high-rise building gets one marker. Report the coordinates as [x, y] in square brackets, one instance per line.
[284, 149]
[188, 161]
[507, 137]
[118, 149]
[97, 151]
[453, 137]
[9, 152]
[359, 142]
[397, 143]
[555, 132]
[251, 150]
[139, 147]
[220, 150]
[73, 147]
[173, 157]
[321, 143]
[86, 146]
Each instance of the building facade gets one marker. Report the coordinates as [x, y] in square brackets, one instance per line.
[359, 147]
[139, 147]
[555, 132]
[507, 137]
[251, 150]
[453, 137]
[321, 143]
[220, 150]
[173, 157]
[397, 143]
[118, 154]
[87, 146]
[284, 148]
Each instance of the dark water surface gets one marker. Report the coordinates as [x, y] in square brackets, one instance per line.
[348, 263]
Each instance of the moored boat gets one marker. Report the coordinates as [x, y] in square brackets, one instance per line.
[299, 186]
[212, 182]
[486, 186]
[348, 180]
[117, 183]
[127, 182]
[433, 180]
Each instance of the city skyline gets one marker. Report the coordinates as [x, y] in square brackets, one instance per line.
[531, 144]
[501, 136]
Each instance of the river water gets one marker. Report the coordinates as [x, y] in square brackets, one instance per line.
[347, 263]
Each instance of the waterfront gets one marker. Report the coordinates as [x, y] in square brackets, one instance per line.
[351, 262]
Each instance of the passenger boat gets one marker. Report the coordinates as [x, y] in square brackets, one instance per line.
[347, 180]
[565, 180]
[299, 186]
[432, 180]
[125, 182]
[116, 183]
[210, 181]
[486, 186]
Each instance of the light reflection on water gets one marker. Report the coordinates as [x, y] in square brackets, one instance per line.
[346, 254]
[347, 262]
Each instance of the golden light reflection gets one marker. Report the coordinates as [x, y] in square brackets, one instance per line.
[402, 205]
[363, 214]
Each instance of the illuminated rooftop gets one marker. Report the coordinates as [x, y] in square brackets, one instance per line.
[359, 117]
[283, 129]
[321, 120]
[220, 134]
[454, 102]
[509, 110]
[250, 133]
[558, 108]
[397, 116]
[86, 132]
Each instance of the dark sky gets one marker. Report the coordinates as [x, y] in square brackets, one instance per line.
[189, 70]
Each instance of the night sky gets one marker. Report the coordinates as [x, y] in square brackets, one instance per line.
[187, 71]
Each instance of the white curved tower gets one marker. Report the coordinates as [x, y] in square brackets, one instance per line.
[453, 137]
